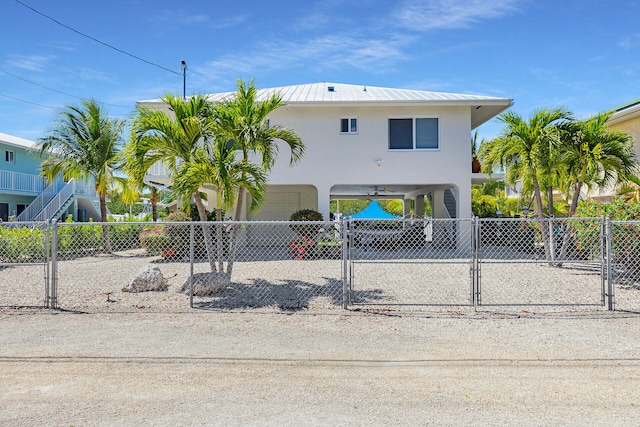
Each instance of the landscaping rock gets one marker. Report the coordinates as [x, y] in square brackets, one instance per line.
[149, 278]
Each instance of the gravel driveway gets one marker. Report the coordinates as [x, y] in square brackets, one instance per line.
[335, 367]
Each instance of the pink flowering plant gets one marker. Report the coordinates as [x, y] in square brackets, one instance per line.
[302, 248]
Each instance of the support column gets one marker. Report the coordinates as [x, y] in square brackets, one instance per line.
[419, 206]
[406, 207]
[324, 200]
[437, 206]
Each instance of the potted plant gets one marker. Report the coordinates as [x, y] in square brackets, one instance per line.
[329, 248]
[475, 163]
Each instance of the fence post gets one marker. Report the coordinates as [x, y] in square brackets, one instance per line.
[475, 279]
[46, 234]
[53, 299]
[191, 256]
[609, 261]
[345, 264]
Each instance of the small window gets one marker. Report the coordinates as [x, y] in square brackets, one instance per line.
[411, 134]
[9, 156]
[349, 125]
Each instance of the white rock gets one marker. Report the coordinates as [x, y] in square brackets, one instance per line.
[149, 278]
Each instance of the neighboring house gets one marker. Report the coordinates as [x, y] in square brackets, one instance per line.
[24, 193]
[625, 119]
[372, 142]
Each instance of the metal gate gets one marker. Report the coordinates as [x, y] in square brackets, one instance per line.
[541, 262]
[624, 267]
[410, 262]
[24, 264]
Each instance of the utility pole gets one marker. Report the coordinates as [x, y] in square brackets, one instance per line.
[184, 80]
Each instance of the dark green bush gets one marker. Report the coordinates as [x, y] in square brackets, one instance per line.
[306, 230]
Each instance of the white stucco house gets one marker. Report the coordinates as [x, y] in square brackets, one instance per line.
[372, 142]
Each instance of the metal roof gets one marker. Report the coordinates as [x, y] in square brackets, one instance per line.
[17, 141]
[627, 111]
[347, 93]
[483, 108]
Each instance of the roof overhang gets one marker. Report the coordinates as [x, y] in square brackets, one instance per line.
[625, 114]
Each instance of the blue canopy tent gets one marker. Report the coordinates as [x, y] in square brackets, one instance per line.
[373, 211]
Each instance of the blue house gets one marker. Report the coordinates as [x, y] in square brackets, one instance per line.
[26, 196]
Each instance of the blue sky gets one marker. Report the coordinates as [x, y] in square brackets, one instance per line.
[582, 54]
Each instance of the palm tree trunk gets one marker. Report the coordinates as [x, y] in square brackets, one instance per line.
[202, 212]
[567, 229]
[105, 228]
[154, 204]
[544, 225]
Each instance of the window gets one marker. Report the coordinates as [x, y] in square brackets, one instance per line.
[410, 134]
[9, 156]
[349, 125]
[20, 207]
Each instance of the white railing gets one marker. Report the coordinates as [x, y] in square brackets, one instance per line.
[57, 202]
[40, 202]
[158, 168]
[17, 181]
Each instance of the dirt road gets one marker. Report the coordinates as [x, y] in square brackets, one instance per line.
[335, 368]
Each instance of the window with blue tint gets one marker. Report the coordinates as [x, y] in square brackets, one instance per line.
[413, 133]
[400, 134]
[427, 133]
[9, 156]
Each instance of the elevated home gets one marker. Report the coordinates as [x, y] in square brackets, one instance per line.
[627, 119]
[371, 142]
[20, 182]
[26, 196]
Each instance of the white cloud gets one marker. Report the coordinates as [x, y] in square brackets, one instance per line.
[229, 22]
[326, 52]
[28, 62]
[425, 15]
[178, 17]
[630, 41]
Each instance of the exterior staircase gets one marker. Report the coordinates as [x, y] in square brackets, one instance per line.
[450, 203]
[55, 199]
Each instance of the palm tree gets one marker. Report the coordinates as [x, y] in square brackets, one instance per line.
[85, 144]
[219, 168]
[523, 149]
[594, 154]
[170, 140]
[243, 119]
[196, 156]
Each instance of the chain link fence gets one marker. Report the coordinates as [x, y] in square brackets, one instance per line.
[541, 262]
[624, 268]
[24, 264]
[417, 262]
[172, 266]
[212, 265]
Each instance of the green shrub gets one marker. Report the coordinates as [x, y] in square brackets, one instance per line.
[155, 240]
[306, 230]
[626, 237]
[79, 240]
[22, 244]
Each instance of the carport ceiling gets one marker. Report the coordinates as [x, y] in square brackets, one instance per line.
[382, 190]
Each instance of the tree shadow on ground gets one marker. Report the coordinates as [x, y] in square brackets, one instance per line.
[288, 295]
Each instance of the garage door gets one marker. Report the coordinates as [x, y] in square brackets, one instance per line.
[278, 206]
